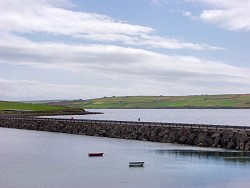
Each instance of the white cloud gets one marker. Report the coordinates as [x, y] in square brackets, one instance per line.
[119, 71]
[161, 42]
[39, 90]
[104, 57]
[44, 16]
[150, 41]
[232, 15]
[96, 70]
[189, 15]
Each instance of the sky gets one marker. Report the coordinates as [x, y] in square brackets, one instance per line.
[82, 49]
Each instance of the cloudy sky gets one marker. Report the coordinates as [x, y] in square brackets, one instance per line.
[71, 49]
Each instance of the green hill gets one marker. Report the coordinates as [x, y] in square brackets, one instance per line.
[19, 108]
[15, 106]
[154, 102]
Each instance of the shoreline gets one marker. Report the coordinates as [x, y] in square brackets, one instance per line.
[190, 108]
[45, 113]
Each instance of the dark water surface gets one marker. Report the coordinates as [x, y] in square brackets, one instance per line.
[33, 159]
[201, 116]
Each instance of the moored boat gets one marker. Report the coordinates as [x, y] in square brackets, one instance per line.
[95, 154]
[136, 164]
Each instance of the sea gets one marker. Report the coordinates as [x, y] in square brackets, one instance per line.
[234, 117]
[35, 159]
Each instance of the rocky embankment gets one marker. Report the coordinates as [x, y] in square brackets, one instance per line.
[229, 139]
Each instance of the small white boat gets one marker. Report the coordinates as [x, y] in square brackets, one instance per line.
[136, 164]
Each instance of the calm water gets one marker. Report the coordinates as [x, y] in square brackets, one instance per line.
[33, 159]
[203, 116]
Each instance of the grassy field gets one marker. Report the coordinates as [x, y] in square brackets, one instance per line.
[151, 102]
[18, 106]
[30, 109]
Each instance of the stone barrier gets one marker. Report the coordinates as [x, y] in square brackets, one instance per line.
[234, 139]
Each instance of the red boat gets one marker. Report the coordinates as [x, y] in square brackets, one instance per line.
[95, 154]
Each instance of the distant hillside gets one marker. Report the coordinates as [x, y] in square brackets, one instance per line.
[154, 102]
[12, 106]
[21, 109]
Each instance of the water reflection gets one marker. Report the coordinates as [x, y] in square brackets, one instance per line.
[228, 156]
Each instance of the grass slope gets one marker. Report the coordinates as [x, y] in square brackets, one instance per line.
[147, 102]
[9, 106]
